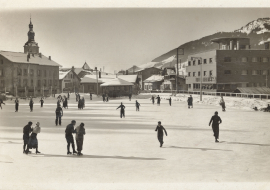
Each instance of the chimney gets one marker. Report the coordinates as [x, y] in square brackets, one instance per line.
[99, 74]
[50, 58]
[72, 68]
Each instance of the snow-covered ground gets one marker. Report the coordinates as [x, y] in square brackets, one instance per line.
[125, 153]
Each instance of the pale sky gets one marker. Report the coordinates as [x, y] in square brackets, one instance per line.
[116, 38]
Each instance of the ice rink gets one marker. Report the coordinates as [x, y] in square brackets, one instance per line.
[125, 153]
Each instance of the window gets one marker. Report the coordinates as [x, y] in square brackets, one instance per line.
[38, 73]
[210, 60]
[204, 73]
[204, 61]
[44, 82]
[194, 62]
[227, 72]
[244, 59]
[45, 73]
[189, 85]
[256, 72]
[19, 72]
[265, 72]
[38, 84]
[1, 72]
[199, 73]
[32, 82]
[19, 82]
[189, 64]
[211, 73]
[194, 86]
[244, 72]
[189, 74]
[25, 82]
[199, 61]
[227, 59]
[254, 59]
[31, 72]
[2, 83]
[25, 72]
[265, 59]
[194, 74]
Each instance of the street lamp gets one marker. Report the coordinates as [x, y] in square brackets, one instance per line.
[200, 75]
[97, 78]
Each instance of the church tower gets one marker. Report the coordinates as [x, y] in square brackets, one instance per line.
[31, 46]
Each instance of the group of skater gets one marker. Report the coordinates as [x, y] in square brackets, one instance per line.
[30, 140]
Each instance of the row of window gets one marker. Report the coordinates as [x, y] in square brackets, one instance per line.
[198, 61]
[247, 72]
[30, 83]
[199, 73]
[246, 59]
[225, 86]
[30, 72]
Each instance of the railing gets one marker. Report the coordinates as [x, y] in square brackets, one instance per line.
[240, 95]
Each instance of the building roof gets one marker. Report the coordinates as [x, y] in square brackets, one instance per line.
[227, 39]
[117, 82]
[150, 65]
[129, 78]
[253, 90]
[63, 74]
[86, 66]
[19, 57]
[79, 70]
[88, 79]
[154, 78]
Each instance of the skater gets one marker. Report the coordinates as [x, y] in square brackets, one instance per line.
[79, 104]
[191, 99]
[69, 130]
[159, 130]
[103, 96]
[26, 131]
[215, 125]
[255, 108]
[158, 100]
[68, 95]
[65, 103]
[222, 103]
[122, 110]
[83, 103]
[33, 142]
[90, 96]
[130, 95]
[41, 102]
[189, 102]
[170, 101]
[153, 100]
[16, 105]
[1, 102]
[59, 114]
[58, 103]
[137, 106]
[80, 132]
[31, 103]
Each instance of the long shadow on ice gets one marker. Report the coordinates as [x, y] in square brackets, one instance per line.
[248, 143]
[202, 149]
[98, 156]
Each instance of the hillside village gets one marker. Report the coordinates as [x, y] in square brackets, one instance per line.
[237, 61]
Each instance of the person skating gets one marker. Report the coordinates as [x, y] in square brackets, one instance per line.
[41, 102]
[130, 95]
[79, 104]
[65, 103]
[80, 132]
[83, 103]
[103, 96]
[137, 106]
[160, 134]
[122, 110]
[107, 97]
[1, 102]
[59, 114]
[215, 120]
[33, 142]
[189, 100]
[153, 100]
[16, 105]
[222, 103]
[170, 101]
[26, 131]
[158, 100]
[31, 103]
[58, 103]
[69, 131]
[90, 96]
[68, 96]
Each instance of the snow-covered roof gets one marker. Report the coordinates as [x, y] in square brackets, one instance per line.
[154, 78]
[117, 82]
[149, 65]
[62, 74]
[129, 78]
[19, 57]
[253, 90]
[87, 79]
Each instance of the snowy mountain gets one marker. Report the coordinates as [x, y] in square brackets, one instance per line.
[258, 26]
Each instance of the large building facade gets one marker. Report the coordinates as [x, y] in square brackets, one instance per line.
[233, 65]
[29, 73]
